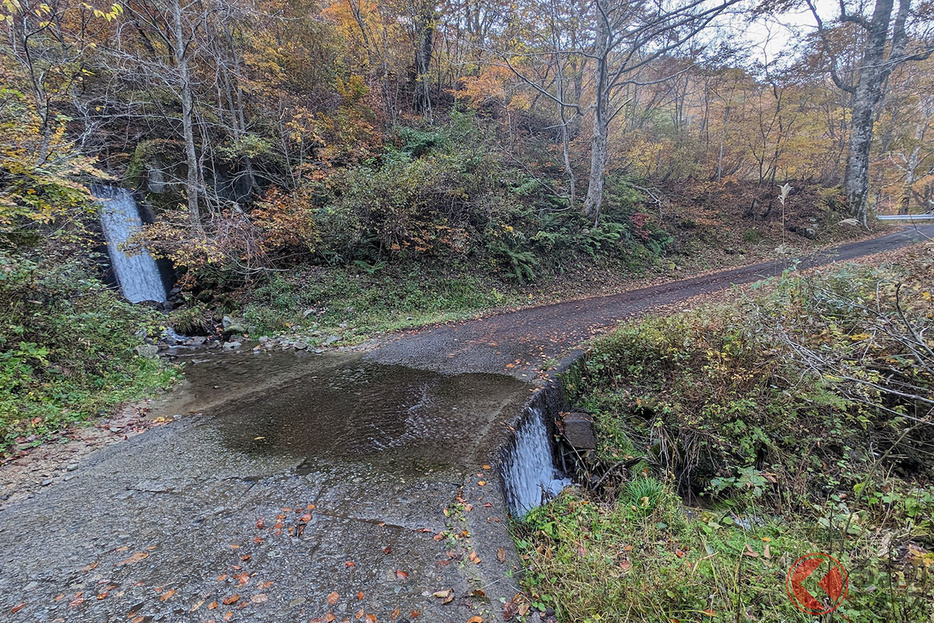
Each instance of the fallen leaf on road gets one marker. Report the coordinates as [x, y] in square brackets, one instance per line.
[350, 564]
[475, 620]
[333, 598]
[138, 556]
[232, 599]
[212, 605]
[228, 616]
[402, 575]
[360, 596]
[17, 607]
[260, 598]
[264, 585]
[196, 606]
[441, 594]
[501, 555]
[89, 567]
[77, 600]
[168, 594]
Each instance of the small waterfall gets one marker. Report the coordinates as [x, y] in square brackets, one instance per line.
[138, 275]
[529, 474]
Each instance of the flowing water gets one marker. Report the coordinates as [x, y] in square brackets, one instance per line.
[137, 274]
[529, 474]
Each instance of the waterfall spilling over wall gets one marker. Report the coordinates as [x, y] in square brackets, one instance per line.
[138, 275]
[529, 475]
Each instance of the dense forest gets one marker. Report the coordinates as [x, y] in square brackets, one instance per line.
[291, 153]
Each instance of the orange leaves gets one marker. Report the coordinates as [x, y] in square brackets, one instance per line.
[135, 558]
[333, 598]
[17, 608]
[402, 575]
[167, 595]
[231, 599]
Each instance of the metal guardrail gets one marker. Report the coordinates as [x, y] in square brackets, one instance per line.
[906, 217]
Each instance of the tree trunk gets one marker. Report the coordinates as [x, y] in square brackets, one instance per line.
[187, 100]
[874, 70]
[424, 42]
[904, 203]
[599, 144]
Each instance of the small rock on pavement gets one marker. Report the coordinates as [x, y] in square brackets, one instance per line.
[579, 431]
[232, 345]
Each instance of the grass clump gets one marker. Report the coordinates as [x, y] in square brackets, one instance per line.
[801, 419]
[353, 304]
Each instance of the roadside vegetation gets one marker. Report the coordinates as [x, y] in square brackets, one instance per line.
[735, 439]
[67, 349]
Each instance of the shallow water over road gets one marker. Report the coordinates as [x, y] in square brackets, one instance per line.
[299, 476]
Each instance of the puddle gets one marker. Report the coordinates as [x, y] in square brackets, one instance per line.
[337, 408]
